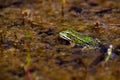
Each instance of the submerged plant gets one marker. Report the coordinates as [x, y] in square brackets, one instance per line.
[27, 66]
[109, 53]
[62, 9]
[28, 58]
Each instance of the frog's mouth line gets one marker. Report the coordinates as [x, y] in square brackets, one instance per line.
[66, 38]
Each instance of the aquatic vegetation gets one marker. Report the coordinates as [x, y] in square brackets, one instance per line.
[27, 66]
[28, 58]
[109, 53]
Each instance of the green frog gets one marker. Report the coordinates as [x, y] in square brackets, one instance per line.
[75, 38]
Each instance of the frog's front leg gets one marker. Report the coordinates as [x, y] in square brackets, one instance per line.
[72, 43]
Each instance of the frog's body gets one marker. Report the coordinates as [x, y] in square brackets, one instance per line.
[78, 39]
[84, 40]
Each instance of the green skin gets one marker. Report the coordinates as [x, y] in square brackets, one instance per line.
[77, 38]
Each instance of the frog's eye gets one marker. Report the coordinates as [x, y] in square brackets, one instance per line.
[67, 32]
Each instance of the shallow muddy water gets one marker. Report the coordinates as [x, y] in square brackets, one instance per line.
[31, 48]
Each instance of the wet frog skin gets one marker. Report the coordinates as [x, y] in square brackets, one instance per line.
[76, 38]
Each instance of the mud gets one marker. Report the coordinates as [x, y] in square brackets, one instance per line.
[31, 49]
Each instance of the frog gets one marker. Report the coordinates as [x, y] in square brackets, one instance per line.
[76, 38]
[80, 39]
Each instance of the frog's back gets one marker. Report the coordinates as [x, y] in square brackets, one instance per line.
[86, 41]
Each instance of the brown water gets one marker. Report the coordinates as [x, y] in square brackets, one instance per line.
[29, 39]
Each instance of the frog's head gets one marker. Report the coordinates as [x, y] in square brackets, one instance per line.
[66, 34]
